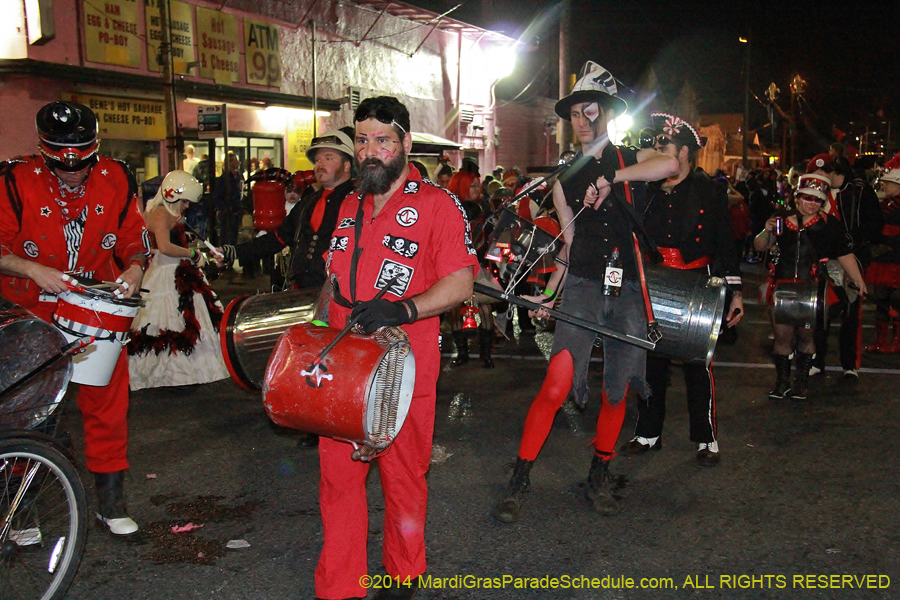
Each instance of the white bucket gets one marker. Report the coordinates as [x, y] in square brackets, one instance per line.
[80, 315]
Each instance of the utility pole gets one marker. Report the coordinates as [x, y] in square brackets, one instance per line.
[745, 128]
[166, 72]
[564, 129]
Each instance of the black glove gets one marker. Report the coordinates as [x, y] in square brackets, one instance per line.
[229, 253]
[380, 313]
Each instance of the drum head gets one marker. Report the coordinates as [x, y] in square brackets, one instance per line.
[26, 342]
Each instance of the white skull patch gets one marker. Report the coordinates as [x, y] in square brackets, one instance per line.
[390, 270]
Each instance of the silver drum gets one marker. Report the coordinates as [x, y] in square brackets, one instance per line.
[251, 325]
[800, 303]
[688, 307]
[26, 342]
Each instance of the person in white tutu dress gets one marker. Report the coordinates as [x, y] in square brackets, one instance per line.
[174, 338]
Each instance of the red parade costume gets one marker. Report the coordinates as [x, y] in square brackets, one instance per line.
[37, 215]
[420, 234]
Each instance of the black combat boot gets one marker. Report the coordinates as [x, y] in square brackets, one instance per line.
[801, 376]
[485, 344]
[599, 487]
[111, 496]
[507, 510]
[782, 376]
[462, 349]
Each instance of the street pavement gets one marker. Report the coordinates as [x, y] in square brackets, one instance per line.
[803, 504]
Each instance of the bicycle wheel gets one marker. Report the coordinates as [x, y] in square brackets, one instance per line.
[43, 519]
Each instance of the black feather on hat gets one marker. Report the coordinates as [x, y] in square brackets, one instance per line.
[595, 84]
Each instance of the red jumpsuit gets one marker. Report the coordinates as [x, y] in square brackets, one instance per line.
[34, 214]
[420, 234]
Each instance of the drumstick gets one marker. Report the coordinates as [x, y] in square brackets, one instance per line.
[318, 360]
[204, 240]
[578, 322]
[891, 312]
[67, 350]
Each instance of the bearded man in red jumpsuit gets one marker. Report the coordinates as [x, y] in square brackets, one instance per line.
[409, 235]
[70, 211]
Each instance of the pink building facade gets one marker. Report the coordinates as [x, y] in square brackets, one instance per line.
[280, 72]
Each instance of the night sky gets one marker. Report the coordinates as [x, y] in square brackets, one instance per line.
[846, 51]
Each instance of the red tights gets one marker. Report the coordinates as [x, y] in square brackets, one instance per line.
[549, 399]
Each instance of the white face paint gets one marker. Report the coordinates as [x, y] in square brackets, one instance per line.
[591, 111]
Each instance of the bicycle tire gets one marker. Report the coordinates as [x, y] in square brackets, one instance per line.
[42, 540]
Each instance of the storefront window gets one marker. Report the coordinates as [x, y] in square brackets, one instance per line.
[141, 157]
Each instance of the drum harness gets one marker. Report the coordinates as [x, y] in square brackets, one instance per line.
[390, 370]
[627, 208]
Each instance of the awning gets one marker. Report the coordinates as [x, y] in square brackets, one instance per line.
[425, 143]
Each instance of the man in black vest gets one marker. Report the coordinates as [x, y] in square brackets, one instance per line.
[308, 227]
[687, 217]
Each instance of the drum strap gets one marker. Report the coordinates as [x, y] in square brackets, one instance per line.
[653, 333]
[357, 232]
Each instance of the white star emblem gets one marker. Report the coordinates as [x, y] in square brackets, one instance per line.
[103, 171]
[45, 211]
[99, 210]
[37, 170]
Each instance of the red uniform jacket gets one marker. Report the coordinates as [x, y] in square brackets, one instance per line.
[32, 221]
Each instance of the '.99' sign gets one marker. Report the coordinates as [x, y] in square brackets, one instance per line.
[263, 53]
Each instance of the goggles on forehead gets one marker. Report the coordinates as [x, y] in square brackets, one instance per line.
[382, 115]
[69, 158]
[328, 139]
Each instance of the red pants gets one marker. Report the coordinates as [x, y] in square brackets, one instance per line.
[345, 514]
[104, 414]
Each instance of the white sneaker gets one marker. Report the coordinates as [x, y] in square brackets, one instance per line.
[814, 370]
[851, 374]
[122, 526]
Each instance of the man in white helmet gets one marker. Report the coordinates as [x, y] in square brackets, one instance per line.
[597, 190]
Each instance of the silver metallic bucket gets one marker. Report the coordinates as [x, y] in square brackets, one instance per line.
[800, 303]
[688, 307]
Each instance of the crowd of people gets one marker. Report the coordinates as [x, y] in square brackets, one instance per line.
[392, 248]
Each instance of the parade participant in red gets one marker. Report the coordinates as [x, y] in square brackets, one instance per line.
[809, 236]
[590, 240]
[466, 184]
[72, 211]
[884, 272]
[410, 236]
[687, 217]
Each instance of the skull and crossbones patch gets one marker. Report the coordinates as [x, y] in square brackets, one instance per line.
[339, 243]
[402, 246]
[412, 187]
[390, 270]
[346, 223]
